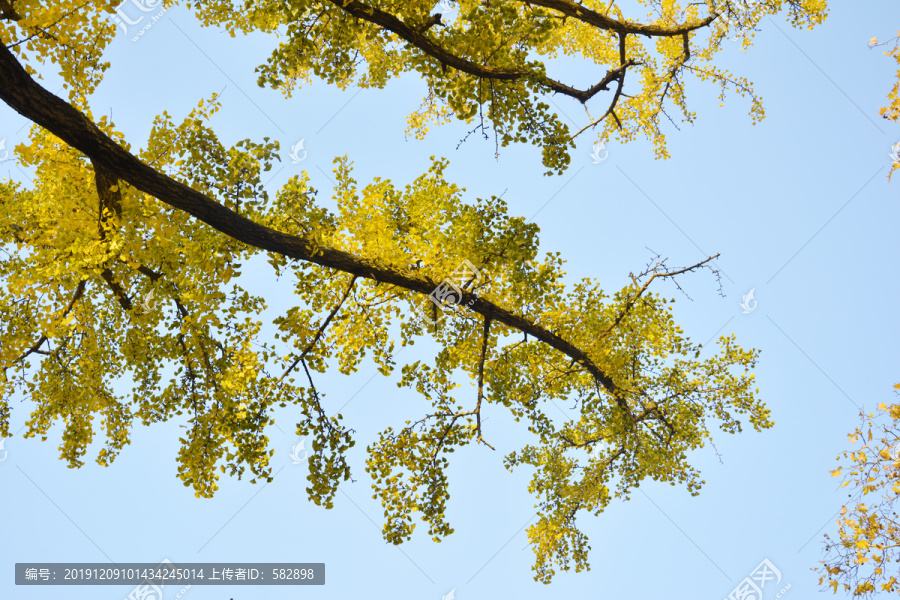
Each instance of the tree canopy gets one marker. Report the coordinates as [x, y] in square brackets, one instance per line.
[868, 533]
[103, 228]
[491, 62]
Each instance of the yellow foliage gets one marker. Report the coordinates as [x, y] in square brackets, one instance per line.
[869, 536]
[101, 280]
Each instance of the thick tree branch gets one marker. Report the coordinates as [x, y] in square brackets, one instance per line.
[595, 19]
[416, 37]
[32, 101]
[8, 12]
[150, 273]
[616, 74]
[108, 192]
[117, 289]
[430, 22]
[110, 202]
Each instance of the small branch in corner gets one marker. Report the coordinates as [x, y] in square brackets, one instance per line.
[484, 344]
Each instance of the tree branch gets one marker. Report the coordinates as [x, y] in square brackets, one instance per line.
[318, 335]
[34, 102]
[595, 19]
[616, 74]
[417, 38]
[430, 22]
[109, 198]
[117, 289]
[8, 12]
[642, 289]
[107, 191]
[79, 291]
[484, 345]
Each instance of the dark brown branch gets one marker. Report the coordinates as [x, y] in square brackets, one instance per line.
[419, 40]
[108, 192]
[117, 289]
[331, 315]
[35, 103]
[433, 20]
[652, 408]
[8, 12]
[79, 291]
[110, 202]
[154, 276]
[486, 332]
[600, 21]
[191, 377]
[673, 73]
[395, 25]
[573, 444]
[616, 74]
[315, 396]
[440, 442]
[318, 335]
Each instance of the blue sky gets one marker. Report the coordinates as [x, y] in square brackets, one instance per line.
[799, 207]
